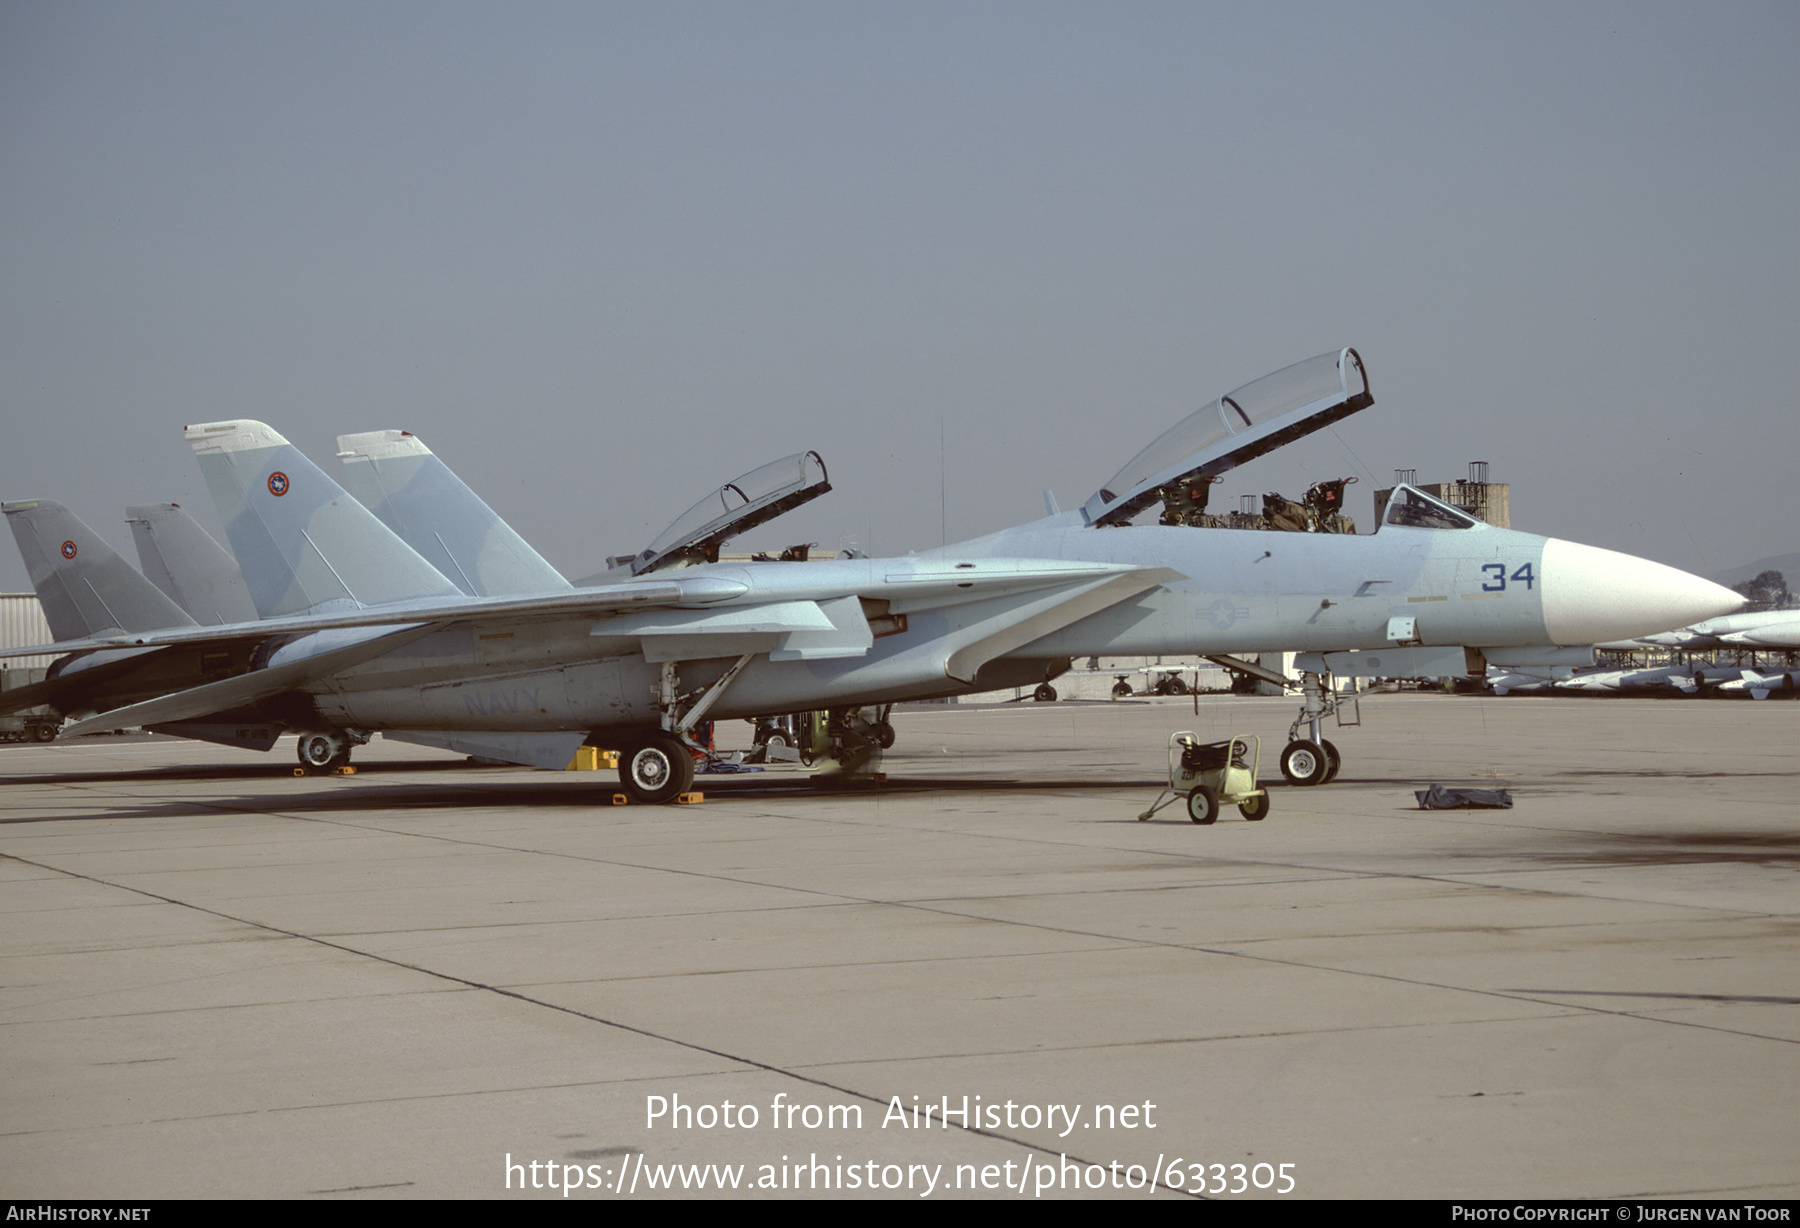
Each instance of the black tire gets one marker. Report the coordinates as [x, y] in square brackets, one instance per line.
[44, 733]
[1203, 805]
[1177, 686]
[1256, 809]
[656, 769]
[1304, 763]
[884, 735]
[1334, 762]
[1045, 693]
[320, 751]
[1121, 690]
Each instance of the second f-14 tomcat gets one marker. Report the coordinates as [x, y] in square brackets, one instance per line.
[361, 633]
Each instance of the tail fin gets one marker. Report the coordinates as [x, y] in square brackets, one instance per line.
[183, 560]
[416, 495]
[300, 541]
[84, 586]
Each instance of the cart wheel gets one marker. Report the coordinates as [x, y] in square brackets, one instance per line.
[1121, 690]
[1333, 761]
[1256, 809]
[1304, 763]
[1203, 805]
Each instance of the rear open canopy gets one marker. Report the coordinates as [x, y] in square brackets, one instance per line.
[1239, 426]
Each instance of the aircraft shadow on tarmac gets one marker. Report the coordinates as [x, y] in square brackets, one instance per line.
[521, 787]
[366, 793]
[1676, 847]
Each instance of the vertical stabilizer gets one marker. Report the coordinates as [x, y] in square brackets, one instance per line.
[300, 541]
[183, 560]
[415, 494]
[82, 583]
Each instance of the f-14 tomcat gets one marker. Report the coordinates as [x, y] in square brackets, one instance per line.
[361, 633]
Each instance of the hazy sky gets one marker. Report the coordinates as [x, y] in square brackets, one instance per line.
[604, 256]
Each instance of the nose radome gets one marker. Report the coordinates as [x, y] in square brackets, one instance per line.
[1592, 595]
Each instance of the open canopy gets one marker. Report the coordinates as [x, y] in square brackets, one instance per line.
[758, 496]
[1239, 426]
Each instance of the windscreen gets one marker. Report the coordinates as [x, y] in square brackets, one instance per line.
[1418, 510]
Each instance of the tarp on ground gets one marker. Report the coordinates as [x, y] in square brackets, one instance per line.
[1437, 797]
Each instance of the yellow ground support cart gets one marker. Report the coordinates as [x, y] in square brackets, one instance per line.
[1213, 774]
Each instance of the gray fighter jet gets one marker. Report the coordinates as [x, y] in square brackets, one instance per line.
[1761, 630]
[362, 633]
[190, 568]
[89, 593]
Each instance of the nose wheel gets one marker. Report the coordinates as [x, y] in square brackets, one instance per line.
[1305, 762]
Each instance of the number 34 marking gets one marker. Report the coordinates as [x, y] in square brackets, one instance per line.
[1498, 571]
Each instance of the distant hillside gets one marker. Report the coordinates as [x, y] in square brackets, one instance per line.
[1787, 564]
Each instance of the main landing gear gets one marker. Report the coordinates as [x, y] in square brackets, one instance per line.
[657, 767]
[329, 750]
[846, 743]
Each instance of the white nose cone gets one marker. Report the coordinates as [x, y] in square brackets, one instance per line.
[1592, 595]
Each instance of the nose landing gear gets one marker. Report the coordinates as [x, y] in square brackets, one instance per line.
[1311, 760]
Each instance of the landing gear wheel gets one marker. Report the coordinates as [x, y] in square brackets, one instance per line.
[1045, 694]
[44, 733]
[1203, 805]
[884, 735]
[1256, 809]
[657, 769]
[1333, 760]
[323, 751]
[1305, 763]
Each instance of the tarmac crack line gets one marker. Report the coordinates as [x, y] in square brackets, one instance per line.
[499, 991]
[943, 911]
